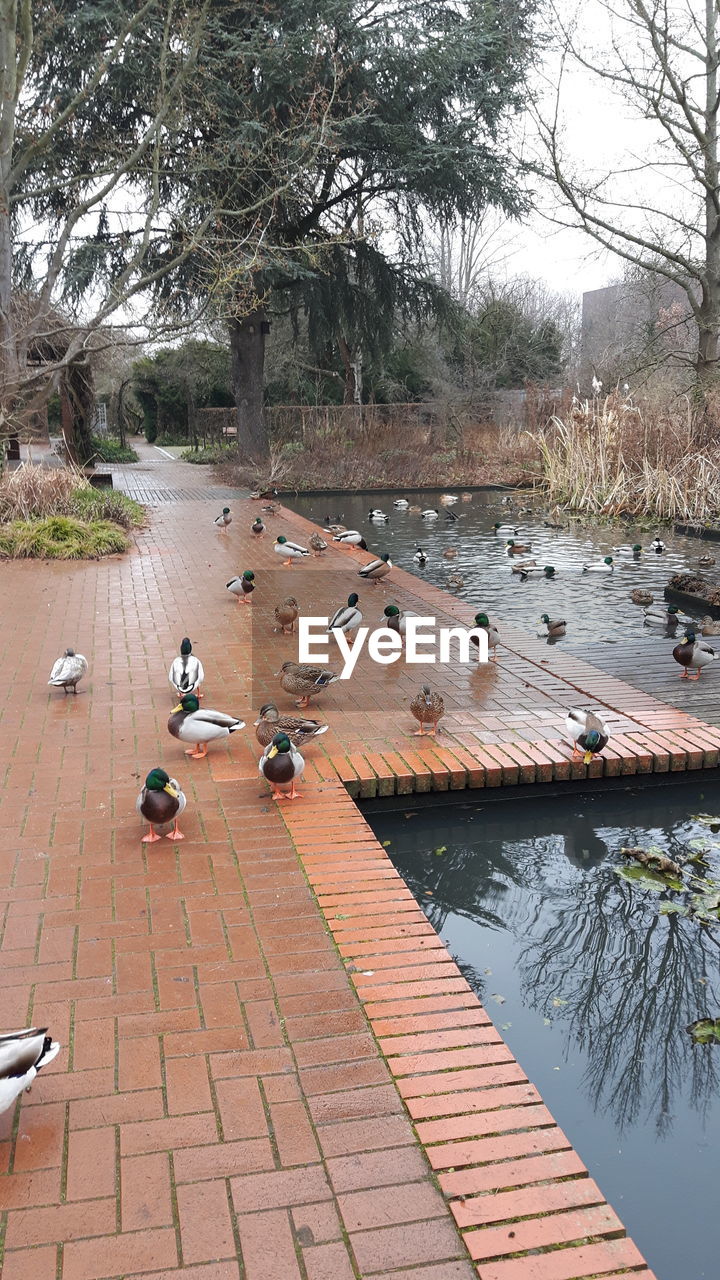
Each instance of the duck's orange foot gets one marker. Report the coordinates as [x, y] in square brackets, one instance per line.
[175, 835]
[150, 838]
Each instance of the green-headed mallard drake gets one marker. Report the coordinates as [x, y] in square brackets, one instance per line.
[420, 557]
[394, 619]
[427, 708]
[281, 764]
[376, 570]
[317, 544]
[22, 1055]
[191, 724]
[640, 596]
[68, 671]
[517, 548]
[430, 514]
[305, 680]
[661, 615]
[351, 538]
[378, 516]
[483, 622]
[505, 530]
[401, 504]
[286, 614]
[224, 519]
[161, 802]
[536, 571]
[242, 586]
[602, 566]
[657, 545]
[298, 729]
[587, 732]
[290, 550]
[186, 673]
[556, 627]
[693, 653]
[635, 551]
[348, 617]
[524, 567]
[257, 528]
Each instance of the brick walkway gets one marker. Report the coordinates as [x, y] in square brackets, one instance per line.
[221, 1109]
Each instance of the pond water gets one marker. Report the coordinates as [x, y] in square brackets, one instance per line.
[591, 987]
[597, 606]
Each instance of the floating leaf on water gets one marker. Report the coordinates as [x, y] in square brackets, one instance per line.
[442, 848]
[707, 820]
[386, 844]
[672, 909]
[643, 876]
[428, 893]
[705, 1031]
[497, 997]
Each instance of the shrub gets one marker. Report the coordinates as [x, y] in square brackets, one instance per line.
[106, 504]
[212, 453]
[61, 538]
[37, 491]
[112, 450]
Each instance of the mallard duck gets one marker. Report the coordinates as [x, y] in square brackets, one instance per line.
[553, 628]
[427, 708]
[466, 497]
[304, 679]
[455, 580]
[692, 652]
[286, 614]
[271, 509]
[420, 556]
[661, 615]
[450, 553]
[401, 504]
[553, 524]
[257, 528]
[188, 723]
[68, 671]
[395, 619]
[376, 570]
[333, 528]
[706, 562]
[657, 545]
[351, 538]
[524, 566]
[258, 494]
[22, 1055]
[415, 510]
[517, 548]
[378, 516]
[640, 596]
[603, 566]
[281, 764]
[290, 550]
[505, 530]
[710, 627]
[536, 571]
[587, 733]
[242, 586]
[224, 519]
[635, 551]
[298, 729]
[432, 513]
[348, 617]
[186, 673]
[448, 498]
[161, 802]
[483, 622]
[317, 544]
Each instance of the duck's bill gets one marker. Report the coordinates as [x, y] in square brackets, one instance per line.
[587, 757]
[171, 791]
[179, 707]
[256, 722]
[272, 752]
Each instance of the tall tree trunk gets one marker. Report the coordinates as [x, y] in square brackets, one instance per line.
[709, 313]
[247, 366]
[350, 392]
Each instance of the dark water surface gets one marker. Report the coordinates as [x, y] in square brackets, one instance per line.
[591, 988]
[597, 606]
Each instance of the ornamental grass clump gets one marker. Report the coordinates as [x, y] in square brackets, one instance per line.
[609, 457]
[62, 538]
[54, 514]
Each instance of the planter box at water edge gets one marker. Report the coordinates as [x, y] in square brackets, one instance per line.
[693, 591]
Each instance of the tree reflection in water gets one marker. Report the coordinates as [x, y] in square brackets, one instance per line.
[594, 955]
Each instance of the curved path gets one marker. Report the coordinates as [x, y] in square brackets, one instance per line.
[272, 1069]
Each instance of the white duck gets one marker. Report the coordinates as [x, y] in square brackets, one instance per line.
[22, 1054]
[186, 673]
[68, 671]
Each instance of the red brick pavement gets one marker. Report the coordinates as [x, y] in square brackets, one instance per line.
[221, 1108]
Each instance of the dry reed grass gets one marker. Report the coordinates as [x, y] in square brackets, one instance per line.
[31, 491]
[610, 457]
